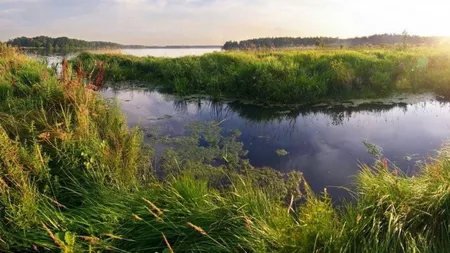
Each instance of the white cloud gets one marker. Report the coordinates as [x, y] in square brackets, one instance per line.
[215, 21]
[127, 2]
[11, 10]
[20, 1]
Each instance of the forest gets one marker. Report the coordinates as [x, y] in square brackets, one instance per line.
[290, 42]
[60, 43]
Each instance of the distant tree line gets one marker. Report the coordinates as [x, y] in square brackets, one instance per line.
[61, 43]
[171, 46]
[286, 42]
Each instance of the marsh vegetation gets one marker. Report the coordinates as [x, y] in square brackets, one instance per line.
[287, 76]
[75, 178]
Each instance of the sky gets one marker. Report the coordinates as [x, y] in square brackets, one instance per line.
[212, 22]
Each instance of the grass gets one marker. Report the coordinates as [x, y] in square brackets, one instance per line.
[288, 76]
[74, 178]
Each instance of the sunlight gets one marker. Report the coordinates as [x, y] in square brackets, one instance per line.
[259, 126]
[426, 18]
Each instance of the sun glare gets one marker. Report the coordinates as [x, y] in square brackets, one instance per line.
[427, 18]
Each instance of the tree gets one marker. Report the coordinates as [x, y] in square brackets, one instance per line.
[377, 39]
[320, 43]
[405, 36]
[60, 43]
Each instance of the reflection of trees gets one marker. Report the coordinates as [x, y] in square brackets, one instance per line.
[218, 111]
[257, 113]
[253, 113]
[180, 106]
[337, 114]
[282, 120]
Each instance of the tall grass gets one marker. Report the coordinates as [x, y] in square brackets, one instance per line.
[289, 76]
[74, 178]
[396, 213]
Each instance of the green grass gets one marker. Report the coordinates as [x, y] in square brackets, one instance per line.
[288, 76]
[74, 178]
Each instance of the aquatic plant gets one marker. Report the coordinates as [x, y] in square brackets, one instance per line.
[281, 152]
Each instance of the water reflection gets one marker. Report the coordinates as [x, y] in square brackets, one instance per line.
[338, 114]
[325, 143]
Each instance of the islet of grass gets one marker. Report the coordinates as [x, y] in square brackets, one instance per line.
[288, 76]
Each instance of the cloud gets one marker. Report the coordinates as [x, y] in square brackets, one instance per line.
[128, 1]
[10, 11]
[20, 1]
[154, 22]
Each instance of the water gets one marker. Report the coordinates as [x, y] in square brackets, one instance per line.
[55, 57]
[325, 143]
[169, 52]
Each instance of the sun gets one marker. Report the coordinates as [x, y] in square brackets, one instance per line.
[427, 18]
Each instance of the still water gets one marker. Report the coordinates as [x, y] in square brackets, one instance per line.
[325, 143]
[169, 52]
[55, 57]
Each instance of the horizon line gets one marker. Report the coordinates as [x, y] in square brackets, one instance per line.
[218, 45]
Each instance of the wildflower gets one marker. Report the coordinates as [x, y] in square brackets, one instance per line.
[385, 163]
[395, 172]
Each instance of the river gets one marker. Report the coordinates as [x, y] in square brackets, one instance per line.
[324, 142]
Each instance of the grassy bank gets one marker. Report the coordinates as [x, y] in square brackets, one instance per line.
[74, 178]
[288, 76]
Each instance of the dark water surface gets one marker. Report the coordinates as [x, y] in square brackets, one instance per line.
[325, 143]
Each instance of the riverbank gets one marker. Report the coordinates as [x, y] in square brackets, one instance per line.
[287, 76]
[74, 178]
